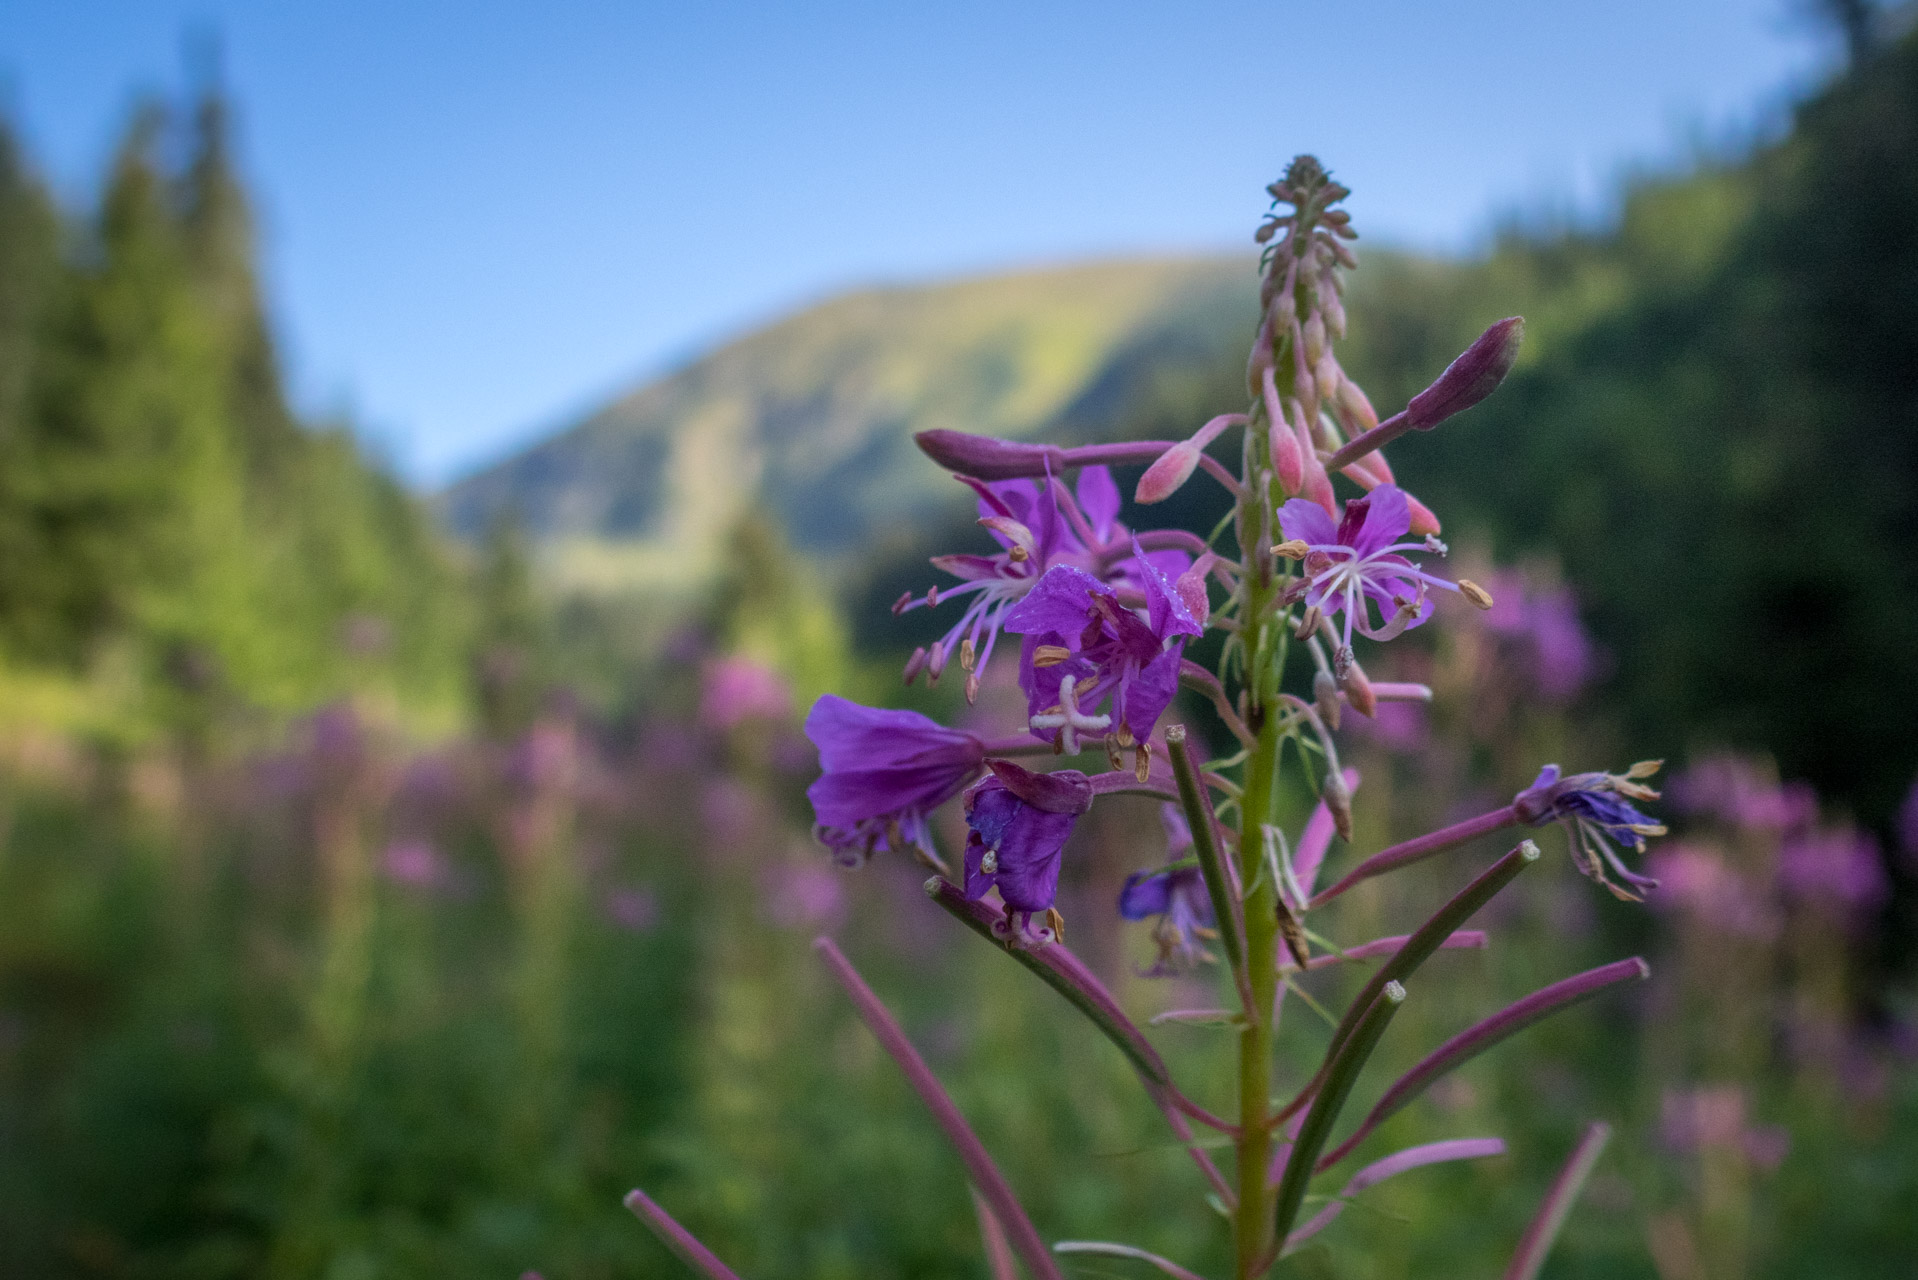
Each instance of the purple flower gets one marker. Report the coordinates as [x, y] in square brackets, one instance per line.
[1358, 563]
[1177, 896]
[736, 689]
[1037, 525]
[1595, 810]
[1544, 621]
[1839, 866]
[884, 771]
[1081, 644]
[1018, 823]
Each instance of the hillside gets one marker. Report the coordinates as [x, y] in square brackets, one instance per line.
[810, 421]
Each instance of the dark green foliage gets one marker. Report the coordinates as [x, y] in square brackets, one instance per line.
[161, 507]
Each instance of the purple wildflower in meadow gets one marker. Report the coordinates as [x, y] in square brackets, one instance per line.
[1107, 615]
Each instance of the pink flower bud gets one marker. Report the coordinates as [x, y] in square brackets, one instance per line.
[1423, 521]
[1470, 378]
[1163, 478]
[1176, 465]
[1286, 460]
[1191, 588]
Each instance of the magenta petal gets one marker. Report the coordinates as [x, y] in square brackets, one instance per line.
[1303, 520]
[1165, 609]
[1061, 601]
[1387, 519]
[1062, 791]
[1099, 499]
[850, 736]
[1150, 692]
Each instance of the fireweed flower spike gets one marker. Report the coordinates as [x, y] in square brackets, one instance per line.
[1595, 809]
[1104, 621]
[1177, 897]
[884, 771]
[1360, 562]
[1017, 824]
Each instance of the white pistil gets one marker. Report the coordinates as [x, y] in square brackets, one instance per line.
[1069, 720]
[989, 863]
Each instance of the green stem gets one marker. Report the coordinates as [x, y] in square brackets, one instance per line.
[1253, 1222]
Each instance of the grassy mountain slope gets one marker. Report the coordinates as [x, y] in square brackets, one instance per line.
[811, 419]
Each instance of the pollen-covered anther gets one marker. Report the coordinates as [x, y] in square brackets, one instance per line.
[1050, 655]
[1124, 735]
[1142, 762]
[1478, 595]
[1114, 759]
[1290, 549]
[1056, 923]
[968, 653]
[932, 596]
[1017, 554]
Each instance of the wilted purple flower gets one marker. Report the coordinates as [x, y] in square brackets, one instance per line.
[884, 771]
[1595, 810]
[1836, 865]
[1177, 896]
[736, 689]
[1082, 644]
[1018, 822]
[1038, 525]
[1361, 560]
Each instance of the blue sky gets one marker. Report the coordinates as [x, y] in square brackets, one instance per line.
[479, 219]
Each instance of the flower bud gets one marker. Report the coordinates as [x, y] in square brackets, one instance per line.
[1359, 691]
[1423, 521]
[1325, 696]
[1176, 465]
[1190, 587]
[1355, 408]
[987, 457]
[1164, 477]
[1313, 338]
[1287, 463]
[1470, 378]
[1338, 802]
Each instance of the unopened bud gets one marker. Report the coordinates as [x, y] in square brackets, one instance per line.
[1359, 691]
[1313, 337]
[1470, 378]
[1164, 477]
[1356, 407]
[987, 457]
[1338, 802]
[1288, 464]
[1325, 696]
[1476, 594]
[1318, 486]
[1423, 521]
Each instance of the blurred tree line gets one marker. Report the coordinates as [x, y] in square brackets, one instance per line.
[170, 531]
